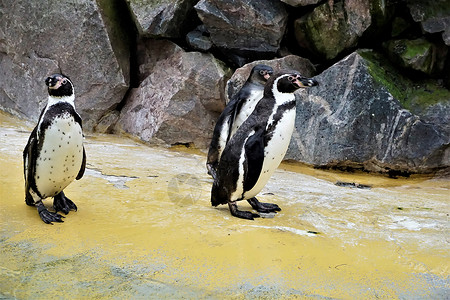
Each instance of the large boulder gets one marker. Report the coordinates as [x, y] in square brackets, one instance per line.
[179, 101]
[38, 38]
[434, 16]
[242, 27]
[359, 118]
[335, 26]
[164, 18]
[290, 62]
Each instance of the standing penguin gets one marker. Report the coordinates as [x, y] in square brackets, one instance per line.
[258, 146]
[54, 155]
[235, 113]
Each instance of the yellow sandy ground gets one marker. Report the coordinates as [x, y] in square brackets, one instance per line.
[145, 229]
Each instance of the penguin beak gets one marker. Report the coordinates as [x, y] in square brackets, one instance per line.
[267, 75]
[304, 82]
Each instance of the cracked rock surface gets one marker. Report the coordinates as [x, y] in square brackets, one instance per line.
[38, 38]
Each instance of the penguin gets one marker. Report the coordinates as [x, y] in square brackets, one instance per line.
[54, 155]
[257, 148]
[235, 113]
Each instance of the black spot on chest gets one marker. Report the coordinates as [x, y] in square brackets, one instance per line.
[282, 109]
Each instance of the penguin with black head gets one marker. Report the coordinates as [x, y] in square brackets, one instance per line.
[235, 113]
[257, 148]
[54, 155]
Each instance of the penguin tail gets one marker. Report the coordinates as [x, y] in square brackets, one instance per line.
[218, 195]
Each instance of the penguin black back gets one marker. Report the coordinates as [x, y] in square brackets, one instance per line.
[236, 112]
[258, 146]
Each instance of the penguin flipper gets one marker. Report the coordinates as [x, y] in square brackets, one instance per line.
[254, 153]
[217, 144]
[220, 138]
[28, 166]
[235, 109]
[83, 166]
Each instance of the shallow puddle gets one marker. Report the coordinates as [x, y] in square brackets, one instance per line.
[145, 228]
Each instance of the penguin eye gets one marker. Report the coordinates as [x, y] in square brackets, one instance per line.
[262, 72]
[64, 81]
[291, 78]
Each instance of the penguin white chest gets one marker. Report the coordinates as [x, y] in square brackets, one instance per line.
[275, 150]
[60, 157]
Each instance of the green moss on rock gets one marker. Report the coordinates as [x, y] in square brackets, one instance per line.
[416, 48]
[386, 75]
[412, 95]
[419, 54]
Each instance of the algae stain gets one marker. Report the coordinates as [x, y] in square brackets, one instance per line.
[412, 95]
[385, 75]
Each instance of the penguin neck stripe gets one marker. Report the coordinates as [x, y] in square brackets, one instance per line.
[67, 99]
[52, 100]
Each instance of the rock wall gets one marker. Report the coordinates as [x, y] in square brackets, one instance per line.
[38, 38]
[163, 70]
[357, 124]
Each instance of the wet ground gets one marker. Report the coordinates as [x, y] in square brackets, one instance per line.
[145, 229]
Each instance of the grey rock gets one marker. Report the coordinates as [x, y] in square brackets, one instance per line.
[107, 123]
[298, 3]
[433, 15]
[438, 114]
[163, 18]
[352, 120]
[147, 57]
[244, 25]
[38, 38]
[179, 101]
[198, 40]
[446, 37]
[290, 62]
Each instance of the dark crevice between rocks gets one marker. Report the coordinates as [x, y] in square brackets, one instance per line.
[391, 173]
[191, 22]
[186, 145]
[123, 27]
[289, 42]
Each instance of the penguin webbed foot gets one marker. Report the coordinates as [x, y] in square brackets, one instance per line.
[263, 207]
[47, 216]
[64, 204]
[241, 214]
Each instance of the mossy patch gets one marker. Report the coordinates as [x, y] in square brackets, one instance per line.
[413, 95]
[386, 75]
[416, 47]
